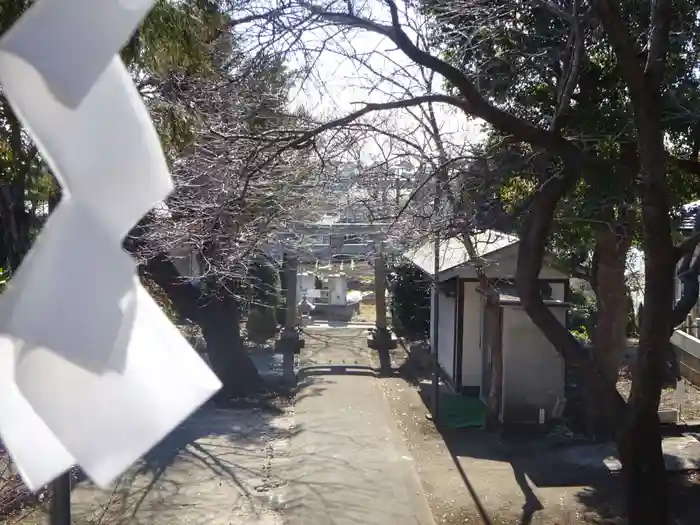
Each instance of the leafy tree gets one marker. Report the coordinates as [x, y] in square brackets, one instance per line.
[598, 220]
[170, 35]
[621, 57]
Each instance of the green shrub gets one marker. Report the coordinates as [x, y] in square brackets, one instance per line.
[583, 314]
[281, 311]
[410, 301]
[261, 325]
[581, 335]
[264, 282]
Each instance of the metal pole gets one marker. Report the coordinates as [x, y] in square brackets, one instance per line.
[60, 501]
[436, 324]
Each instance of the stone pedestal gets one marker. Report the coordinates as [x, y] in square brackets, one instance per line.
[289, 344]
[382, 341]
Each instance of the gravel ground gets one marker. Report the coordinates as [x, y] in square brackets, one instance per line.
[476, 483]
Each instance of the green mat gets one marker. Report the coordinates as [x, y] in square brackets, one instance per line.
[457, 411]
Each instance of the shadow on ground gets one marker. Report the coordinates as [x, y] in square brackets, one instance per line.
[219, 467]
[529, 479]
[227, 466]
[214, 467]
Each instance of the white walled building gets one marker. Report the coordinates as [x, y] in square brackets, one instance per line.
[476, 329]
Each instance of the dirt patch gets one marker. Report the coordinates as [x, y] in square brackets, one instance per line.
[367, 313]
[472, 477]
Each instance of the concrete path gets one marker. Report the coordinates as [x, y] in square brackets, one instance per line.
[335, 458]
[218, 468]
[349, 463]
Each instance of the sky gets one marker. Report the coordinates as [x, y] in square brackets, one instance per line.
[339, 82]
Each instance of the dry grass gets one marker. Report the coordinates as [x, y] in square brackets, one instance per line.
[689, 404]
[16, 501]
[367, 314]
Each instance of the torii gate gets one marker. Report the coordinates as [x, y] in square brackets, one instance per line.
[381, 338]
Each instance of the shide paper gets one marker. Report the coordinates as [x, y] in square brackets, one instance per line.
[92, 373]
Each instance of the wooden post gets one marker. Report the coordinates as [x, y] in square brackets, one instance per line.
[60, 512]
[290, 268]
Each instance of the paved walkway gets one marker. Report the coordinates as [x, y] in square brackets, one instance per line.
[216, 469]
[335, 458]
[349, 462]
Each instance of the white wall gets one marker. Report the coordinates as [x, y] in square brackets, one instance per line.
[471, 336]
[686, 342]
[558, 291]
[533, 371]
[306, 282]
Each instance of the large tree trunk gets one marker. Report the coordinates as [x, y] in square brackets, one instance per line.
[643, 469]
[610, 336]
[640, 438]
[229, 359]
[535, 230]
[16, 222]
[218, 316]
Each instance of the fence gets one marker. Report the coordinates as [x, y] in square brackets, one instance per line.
[691, 325]
[687, 349]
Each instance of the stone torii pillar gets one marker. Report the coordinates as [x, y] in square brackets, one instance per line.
[381, 339]
[379, 286]
[290, 343]
[291, 269]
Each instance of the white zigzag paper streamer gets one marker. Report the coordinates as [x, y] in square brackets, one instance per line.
[92, 373]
